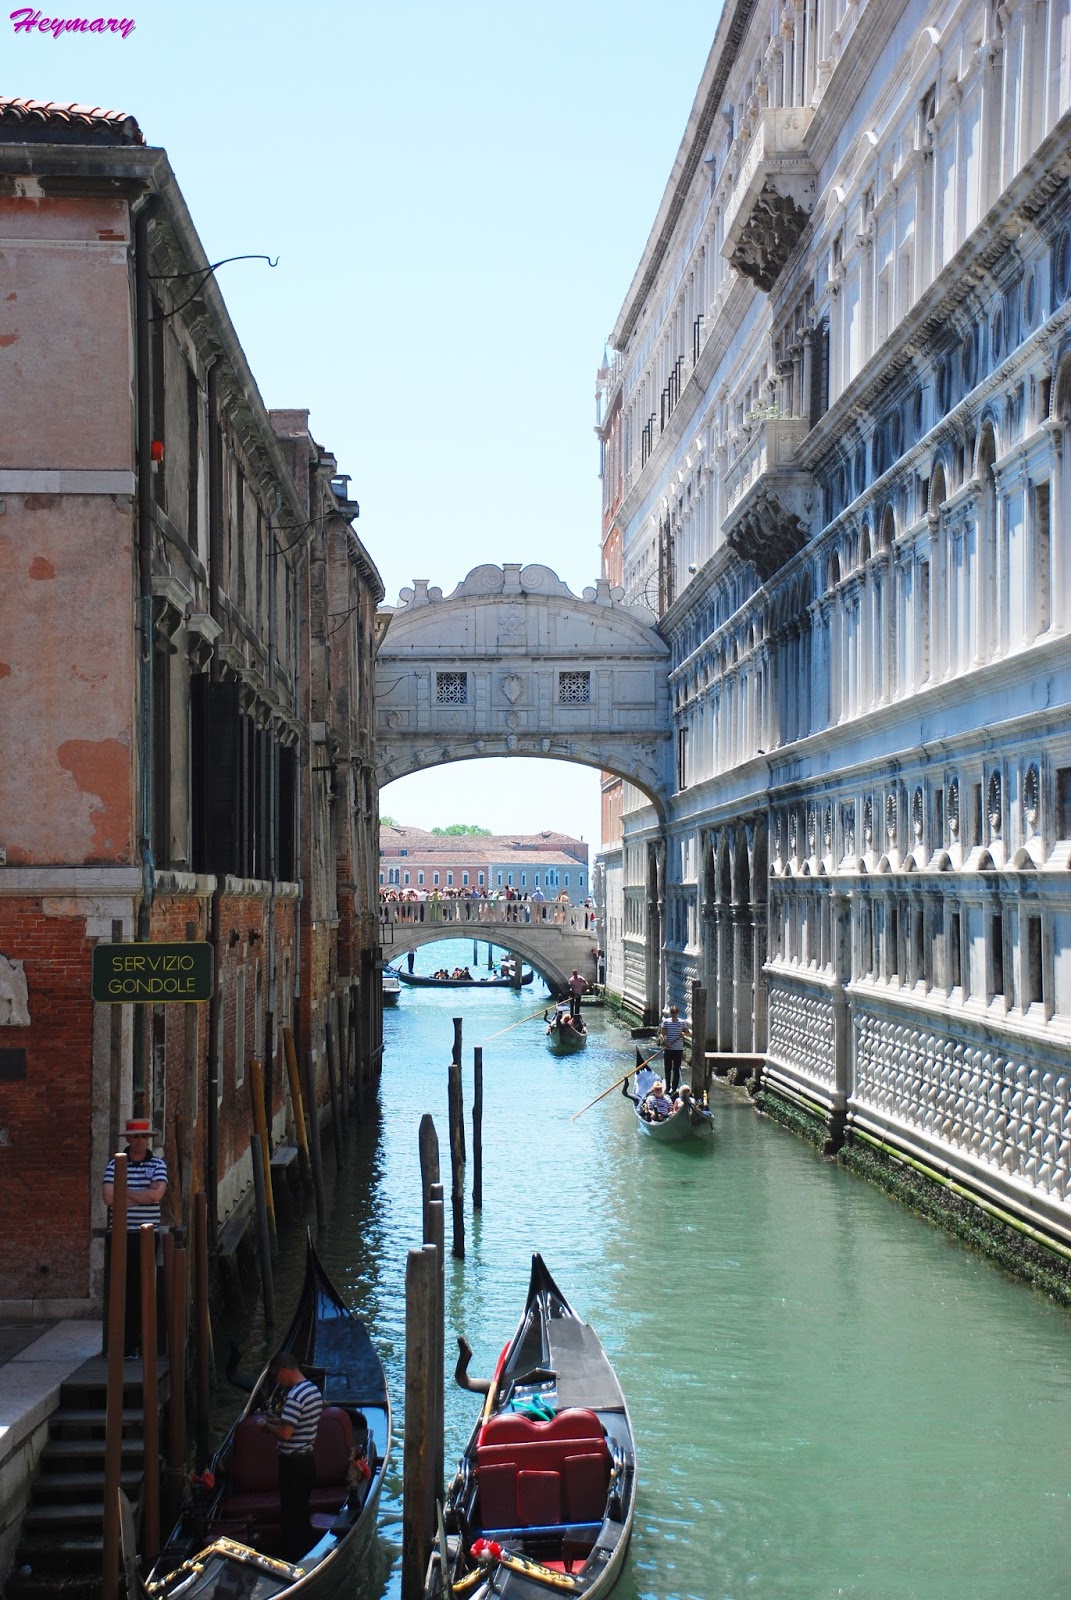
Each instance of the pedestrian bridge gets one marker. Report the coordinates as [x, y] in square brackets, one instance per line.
[512, 663]
[551, 936]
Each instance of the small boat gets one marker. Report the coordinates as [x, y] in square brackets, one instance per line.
[544, 1495]
[392, 987]
[565, 1033]
[462, 983]
[692, 1120]
[227, 1540]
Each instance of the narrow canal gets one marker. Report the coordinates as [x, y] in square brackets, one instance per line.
[830, 1397]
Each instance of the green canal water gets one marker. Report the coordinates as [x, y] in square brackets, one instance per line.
[830, 1397]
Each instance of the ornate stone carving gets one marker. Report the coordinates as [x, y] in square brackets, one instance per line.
[14, 998]
[767, 534]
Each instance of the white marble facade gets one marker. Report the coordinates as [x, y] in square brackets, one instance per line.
[836, 435]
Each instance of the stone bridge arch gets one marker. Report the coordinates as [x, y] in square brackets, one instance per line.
[512, 663]
[552, 938]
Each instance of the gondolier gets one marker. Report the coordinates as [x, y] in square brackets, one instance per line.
[295, 1430]
[146, 1184]
[671, 1037]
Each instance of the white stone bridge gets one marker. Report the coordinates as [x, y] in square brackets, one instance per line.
[512, 663]
[550, 936]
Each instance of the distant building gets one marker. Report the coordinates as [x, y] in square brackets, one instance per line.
[841, 391]
[186, 731]
[553, 863]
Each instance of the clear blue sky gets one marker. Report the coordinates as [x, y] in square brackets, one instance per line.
[459, 196]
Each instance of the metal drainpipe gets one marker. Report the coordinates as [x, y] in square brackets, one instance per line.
[273, 858]
[143, 384]
[304, 556]
[215, 549]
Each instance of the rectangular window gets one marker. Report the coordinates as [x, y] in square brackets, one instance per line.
[955, 952]
[464, 879]
[452, 688]
[574, 688]
[449, 880]
[682, 758]
[419, 879]
[1033, 986]
[1063, 802]
[894, 942]
[567, 880]
[435, 880]
[498, 880]
[479, 879]
[405, 878]
[996, 955]
[1041, 551]
[524, 880]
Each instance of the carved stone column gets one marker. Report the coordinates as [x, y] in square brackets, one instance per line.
[743, 980]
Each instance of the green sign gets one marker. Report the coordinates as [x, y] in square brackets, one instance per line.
[152, 974]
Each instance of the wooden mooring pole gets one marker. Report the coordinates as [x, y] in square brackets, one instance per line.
[457, 1162]
[477, 1128]
[428, 1142]
[260, 1128]
[150, 1403]
[267, 1283]
[296, 1100]
[204, 1323]
[113, 1424]
[700, 1071]
[455, 1056]
[315, 1150]
[418, 1455]
[332, 1088]
[176, 1402]
[437, 1237]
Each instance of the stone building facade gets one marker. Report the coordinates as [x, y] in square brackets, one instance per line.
[840, 397]
[412, 860]
[186, 724]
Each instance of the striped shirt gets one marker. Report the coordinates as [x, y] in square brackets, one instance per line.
[139, 1175]
[301, 1409]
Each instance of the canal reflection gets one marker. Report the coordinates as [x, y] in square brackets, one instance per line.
[830, 1397]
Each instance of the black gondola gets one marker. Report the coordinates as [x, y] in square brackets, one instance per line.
[226, 1543]
[416, 982]
[545, 1492]
[565, 1033]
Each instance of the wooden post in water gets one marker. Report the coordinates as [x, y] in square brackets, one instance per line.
[176, 1402]
[455, 1057]
[314, 1141]
[477, 1128]
[260, 1128]
[437, 1237]
[418, 1453]
[267, 1285]
[332, 1086]
[150, 1500]
[428, 1141]
[490, 958]
[204, 1323]
[700, 1072]
[475, 953]
[339, 1015]
[517, 966]
[296, 1100]
[113, 1425]
[457, 1163]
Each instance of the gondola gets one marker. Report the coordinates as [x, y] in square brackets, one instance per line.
[565, 1034]
[416, 982]
[391, 987]
[226, 1543]
[691, 1121]
[544, 1495]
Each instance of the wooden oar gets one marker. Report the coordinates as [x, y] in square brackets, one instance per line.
[516, 1024]
[637, 1068]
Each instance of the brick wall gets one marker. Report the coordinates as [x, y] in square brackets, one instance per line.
[46, 1119]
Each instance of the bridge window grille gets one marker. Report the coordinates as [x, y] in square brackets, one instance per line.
[574, 688]
[451, 688]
